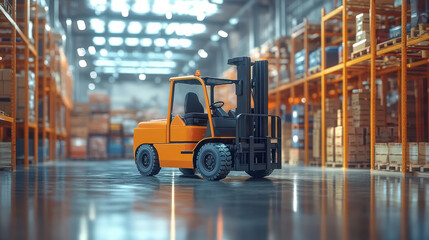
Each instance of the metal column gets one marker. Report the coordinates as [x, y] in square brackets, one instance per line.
[345, 88]
[404, 85]
[323, 83]
[373, 78]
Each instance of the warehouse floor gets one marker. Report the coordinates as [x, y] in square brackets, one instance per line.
[110, 200]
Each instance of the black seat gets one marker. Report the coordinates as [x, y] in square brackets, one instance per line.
[194, 111]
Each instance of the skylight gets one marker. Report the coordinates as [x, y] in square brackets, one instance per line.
[134, 27]
[116, 26]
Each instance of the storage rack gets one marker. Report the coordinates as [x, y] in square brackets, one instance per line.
[20, 43]
[351, 72]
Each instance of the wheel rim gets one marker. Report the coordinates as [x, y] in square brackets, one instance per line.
[145, 160]
[209, 162]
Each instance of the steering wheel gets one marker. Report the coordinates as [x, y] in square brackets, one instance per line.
[217, 105]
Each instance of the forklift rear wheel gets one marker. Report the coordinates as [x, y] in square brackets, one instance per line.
[187, 171]
[147, 160]
[260, 173]
[214, 161]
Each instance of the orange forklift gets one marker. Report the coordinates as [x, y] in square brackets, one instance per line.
[200, 136]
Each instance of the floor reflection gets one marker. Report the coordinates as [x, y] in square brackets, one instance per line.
[110, 200]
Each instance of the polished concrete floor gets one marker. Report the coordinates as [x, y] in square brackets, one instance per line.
[110, 200]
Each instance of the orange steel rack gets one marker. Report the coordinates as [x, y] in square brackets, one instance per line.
[351, 72]
[59, 96]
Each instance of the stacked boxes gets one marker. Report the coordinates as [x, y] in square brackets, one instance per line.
[299, 64]
[286, 136]
[381, 153]
[317, 135]
[5, 91]
[331, 57]
[330, 145]
[5, 153]
[358, 147]
[115, 148]
[363, 33]
[386, 134]
[79, 131]
[424, 153]
[340, 50]
[395, 153]
[298, 134]
[99, 125]
[361, 106]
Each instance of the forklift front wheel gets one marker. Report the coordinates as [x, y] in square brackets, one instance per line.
[260, 173]
[214, 161]
[187, 171]
[147, 160]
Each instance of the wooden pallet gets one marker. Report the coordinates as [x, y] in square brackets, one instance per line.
[420, 30]
[334, 164]
[388, 43]
[314, 70]
[394, 167]
[381, 166]
[315, 163]
[360, 165]
[361, 53]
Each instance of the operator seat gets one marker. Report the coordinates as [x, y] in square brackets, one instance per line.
[194, 111]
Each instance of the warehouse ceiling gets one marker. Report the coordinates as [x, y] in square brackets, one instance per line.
[144, 39]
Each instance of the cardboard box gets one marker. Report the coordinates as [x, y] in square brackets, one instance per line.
[78, 148]
[381, 149]
[381, 158]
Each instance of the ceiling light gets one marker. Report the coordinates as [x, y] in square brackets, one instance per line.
[91, 50]
[134, 27]
[81, 52]
[185, 43]
[97, 25]
[125, 12]
[214, 38]
[203, 53]
[132, 42]
[146, 42]
[168, 15]
[158, 71]
[83, 64]
[69, 22]
[81, 25]
[222, 33]
[93, 75]
[217, 1]
[201, 17]
[168, 54]
[91, 86]
[116, 41]
[104, 63]
[153, 28]
[142, 77]
[233, 21]
[160, 42]
[173, 42]
[118, 5]
[99, 40]
[116, 26]
[141, 7]
[103, 52]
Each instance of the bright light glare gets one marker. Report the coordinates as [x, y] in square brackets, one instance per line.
[81, 52]
[141, 7]
[134, 27]
[125, 12]
[81, 25]
[233, 21]
[173, 42]
[69, 22]
[93, 75]
[146, 42]
[99, 40]
[214, 38]
[83, 64]
[116, 26]
[132, 42]
[91, 86]
[91, 50]
[142, 77]
[97, 25]
[201, 17]
[118, 5]
[153, 27]
[222, 33]
[184, 7]
[185, 43]
[103, 52]
[160, 42]
[168, 54]
[168, 15]
[203, 53]
[116, 41]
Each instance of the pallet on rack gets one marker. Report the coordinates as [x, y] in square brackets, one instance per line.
[334, 164]
[315, 163]
[394, 167]
[360, 165]
[361, 53]
[314, 70]
[424, 168]
[381, 166]
[388, 43]
[420, 30]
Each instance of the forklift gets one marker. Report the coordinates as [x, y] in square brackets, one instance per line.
[199, 136]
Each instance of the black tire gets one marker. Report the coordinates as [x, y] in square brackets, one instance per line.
[214, 161]
[187, 171]
[147, 160]
[260, 173]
